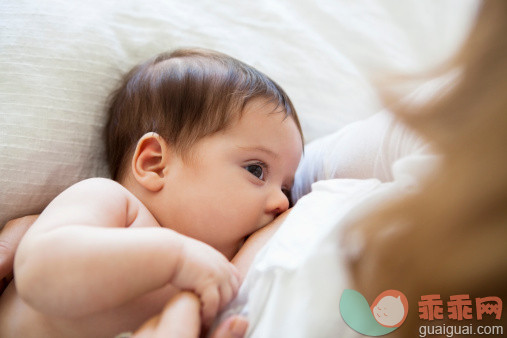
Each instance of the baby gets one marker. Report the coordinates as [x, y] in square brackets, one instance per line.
[203, 150]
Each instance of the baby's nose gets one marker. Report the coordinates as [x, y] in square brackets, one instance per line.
[277, 203]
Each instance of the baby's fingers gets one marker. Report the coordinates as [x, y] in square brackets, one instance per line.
[236, 279]
[210, 303]
[227, 293]
[229, 289]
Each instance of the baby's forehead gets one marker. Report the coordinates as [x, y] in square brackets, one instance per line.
[261, 104]
[269, 107]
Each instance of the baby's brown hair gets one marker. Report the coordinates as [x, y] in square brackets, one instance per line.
[183, 96]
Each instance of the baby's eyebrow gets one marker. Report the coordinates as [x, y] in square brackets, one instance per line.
[261, 149]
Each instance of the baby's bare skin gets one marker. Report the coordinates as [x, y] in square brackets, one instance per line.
[88, 263]
[17, 319]
[14, 313]
[104, 303]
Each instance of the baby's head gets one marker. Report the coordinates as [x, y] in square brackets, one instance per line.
[209, 144]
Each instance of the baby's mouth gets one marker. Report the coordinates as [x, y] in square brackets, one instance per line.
[271, 219]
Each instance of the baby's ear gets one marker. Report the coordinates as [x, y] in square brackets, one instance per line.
[149, 161]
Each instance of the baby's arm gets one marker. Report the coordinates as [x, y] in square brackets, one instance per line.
[180, 316]
[78, 257]
[78, 253]
[10, 236]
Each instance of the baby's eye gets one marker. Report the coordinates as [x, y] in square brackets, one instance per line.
[256, 169]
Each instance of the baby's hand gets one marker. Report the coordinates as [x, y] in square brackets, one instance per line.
[207, 272]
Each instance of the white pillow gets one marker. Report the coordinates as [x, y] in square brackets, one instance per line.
[59, 60]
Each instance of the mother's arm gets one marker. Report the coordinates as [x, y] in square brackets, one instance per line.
[10, 236]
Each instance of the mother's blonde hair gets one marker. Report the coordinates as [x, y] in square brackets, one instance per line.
[453, 232]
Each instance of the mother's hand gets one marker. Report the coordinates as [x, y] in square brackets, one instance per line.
[10, 236]
[181, 319]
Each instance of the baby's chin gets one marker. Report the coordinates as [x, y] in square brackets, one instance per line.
[230, 250]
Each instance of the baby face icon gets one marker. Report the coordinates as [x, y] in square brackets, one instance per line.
[390, 308]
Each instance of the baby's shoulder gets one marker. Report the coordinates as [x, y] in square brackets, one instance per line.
[110, 195]
[96, 195]
[94, 201]
[102, 187]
